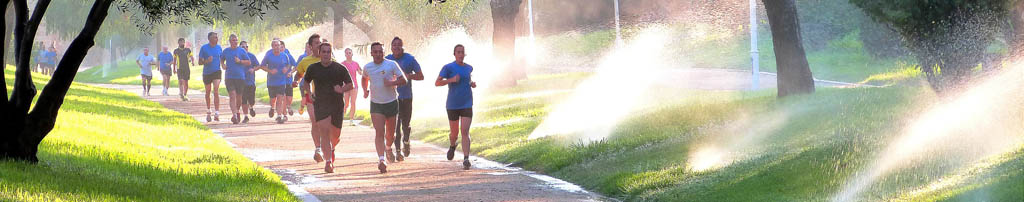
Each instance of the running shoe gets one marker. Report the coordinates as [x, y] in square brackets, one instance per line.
[391, 156]
[465, 164]
[399, 157]
[246, 120]
[271, 112]
[252, 112]
[290, 112]
[234, 119]
[186, 98]
[208, 117]
[451, 153]
[329, 167]
[279, 120]
[382, 166]
[317, 156]
[285, 119]
[405, 149]
[216, 116]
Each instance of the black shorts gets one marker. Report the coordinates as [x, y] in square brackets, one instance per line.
[249, 96]
[337, 116]
[183, 74]
[388, 109]
[454, 114]
[146, 77]
[275, 91]
[208, 78]
[165, 72]
[236, 85]
[289, 90]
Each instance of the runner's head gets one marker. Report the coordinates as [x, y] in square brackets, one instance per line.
[165, 48]
[348, 54]
[396, 47]
[233, 40]
[145, 51]
[311, 45]
[325, 52]
[276, 45]
[377, 51]
[460, 53]
[181, 42]
[212, 36]
[244, 45]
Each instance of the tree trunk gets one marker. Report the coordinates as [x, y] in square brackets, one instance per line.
[338, 27]
[794, 72]
[27, 130]
[344, 13]
[1016, 37]
[503, 15]
[8, 28]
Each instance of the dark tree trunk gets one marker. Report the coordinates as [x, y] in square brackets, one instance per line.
[794, 72]
[8, 28]
[338, 27]
[340, 12]
[24, 131]
[503, 15]
[1016, 36]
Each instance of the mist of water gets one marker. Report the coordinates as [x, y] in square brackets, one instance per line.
[981, 122]
[616, 89]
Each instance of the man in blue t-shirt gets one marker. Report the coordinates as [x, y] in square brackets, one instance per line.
[51, 60]
[249, 94]
[146, 62]
[235, 61]
[412, 71]
[458, 77]
[276, 64]
[209, 56]
[166, 67]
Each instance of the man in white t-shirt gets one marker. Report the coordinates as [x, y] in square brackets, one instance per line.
[146, 62]
[380, 80]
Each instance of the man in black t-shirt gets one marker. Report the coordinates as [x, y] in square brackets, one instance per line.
[330, 81]
[182, 59]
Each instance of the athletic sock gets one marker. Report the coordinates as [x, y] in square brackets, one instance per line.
[465, 157]
[382, 158]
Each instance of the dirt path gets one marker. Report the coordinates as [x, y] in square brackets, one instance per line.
[426, 175]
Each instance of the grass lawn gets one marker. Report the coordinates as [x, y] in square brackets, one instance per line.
[801, 148]
[110, 145]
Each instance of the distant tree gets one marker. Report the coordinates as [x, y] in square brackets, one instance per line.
[794, 72]
[503, 15]
[25, 129]
[948, 38]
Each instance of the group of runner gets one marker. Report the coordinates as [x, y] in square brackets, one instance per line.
[328, 89]
[47, 59]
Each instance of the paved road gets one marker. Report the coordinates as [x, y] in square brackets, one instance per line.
[426, 175]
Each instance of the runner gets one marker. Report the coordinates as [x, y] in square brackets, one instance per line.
[249, 92]
[183, 58]
[381, 77]
[51, 60]
[41, 59]
[300, 71]
[351, 96]
[458, 77]
[235, 62]
[412, 71]
[166, 67]
[275, 63]
[209, 56]
[145, 62]
[288, 92]
[330, 81]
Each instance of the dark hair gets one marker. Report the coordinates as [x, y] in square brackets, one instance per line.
[396, 39]
[376, 44]
[321, 48]
[243, 42]
[310, 41]
[232, 36]
[181, 39]
[208, 35]
[457, 47]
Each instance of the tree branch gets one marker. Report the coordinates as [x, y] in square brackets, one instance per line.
[22, 72]
[53, 93]
[24, 90]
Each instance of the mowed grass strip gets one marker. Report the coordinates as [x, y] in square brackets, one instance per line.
[111, 145]
[800, 148]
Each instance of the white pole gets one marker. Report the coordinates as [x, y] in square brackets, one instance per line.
[755, 72]
[529, 6]
[618, 34]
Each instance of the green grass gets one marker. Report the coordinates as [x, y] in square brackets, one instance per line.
[810, 145]
[110, 145]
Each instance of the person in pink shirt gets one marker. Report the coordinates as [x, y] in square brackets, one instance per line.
[351, 96]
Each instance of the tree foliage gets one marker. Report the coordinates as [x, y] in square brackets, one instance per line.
[947, 37]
